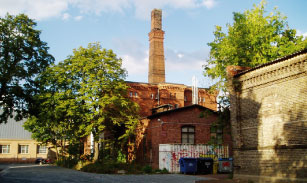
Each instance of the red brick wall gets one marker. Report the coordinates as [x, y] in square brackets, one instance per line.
[168, 131]
[169, 94]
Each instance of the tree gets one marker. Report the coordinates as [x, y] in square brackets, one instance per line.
[22, 57]
[253, 39]
[85, 94]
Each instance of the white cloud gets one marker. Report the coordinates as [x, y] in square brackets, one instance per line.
[135, 58]
[78, 18]
[43, 9]
[301, 33]
[66, 16]
[134, 55]
[181, 61]
[142, 8]
[98, 6]
[37, 9]
[209, 3]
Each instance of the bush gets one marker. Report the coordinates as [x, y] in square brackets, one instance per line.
[164, 171]
[67, 162]
[147, 169]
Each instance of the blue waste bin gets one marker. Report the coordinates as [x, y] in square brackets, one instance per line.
[204, 165]
[225, 165]
[188, 165]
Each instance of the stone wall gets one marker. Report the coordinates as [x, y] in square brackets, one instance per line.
[269, 120]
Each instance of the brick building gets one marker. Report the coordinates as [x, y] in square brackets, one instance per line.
[167, 109]
[189, 125]
[157, 92]
[269, 120]
[169, 114]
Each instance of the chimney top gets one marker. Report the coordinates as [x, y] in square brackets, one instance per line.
[156, 19]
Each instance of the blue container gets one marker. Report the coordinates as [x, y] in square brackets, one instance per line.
[188, 165]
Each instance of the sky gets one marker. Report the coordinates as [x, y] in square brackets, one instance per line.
[123, 26]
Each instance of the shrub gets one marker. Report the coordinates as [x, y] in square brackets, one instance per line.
[164, 171]
[147, 169]
[67, 162]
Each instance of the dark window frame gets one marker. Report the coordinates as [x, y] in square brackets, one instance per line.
[189, 134]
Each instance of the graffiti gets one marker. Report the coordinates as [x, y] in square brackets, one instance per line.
[169, 159]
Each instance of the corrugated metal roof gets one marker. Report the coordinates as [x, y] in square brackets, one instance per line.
[14, 130]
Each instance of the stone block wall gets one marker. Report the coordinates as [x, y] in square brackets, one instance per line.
[269, 120]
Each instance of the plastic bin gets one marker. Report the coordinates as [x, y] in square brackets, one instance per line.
[225, 165]
[204, 165]
[188, 165]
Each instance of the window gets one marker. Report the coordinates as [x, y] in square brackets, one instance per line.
[204, 99]
[136, 94]
[23, 149]
[41, 149]
[4, 149]
[187, 134]
[185, 98]
[152, 96]
[216, 134]
[170, 95]
[130, 94]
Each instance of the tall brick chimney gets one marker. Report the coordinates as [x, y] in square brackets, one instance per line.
[156, 71]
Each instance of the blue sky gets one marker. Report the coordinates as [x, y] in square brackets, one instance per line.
[123, 26]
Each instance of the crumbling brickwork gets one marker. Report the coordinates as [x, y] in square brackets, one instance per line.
[269, 120]
[149, 96]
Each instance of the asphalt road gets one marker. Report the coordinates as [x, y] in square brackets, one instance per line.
[53, 174]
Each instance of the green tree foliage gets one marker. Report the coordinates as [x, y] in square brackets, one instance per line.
[254, 38]
[22, 56]
[84, 94]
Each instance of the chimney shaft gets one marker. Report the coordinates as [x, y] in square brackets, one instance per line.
[156, 71]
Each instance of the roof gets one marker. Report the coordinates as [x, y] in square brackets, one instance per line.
[273, 62]
[179, 109]
[156, 84]
[14, 130]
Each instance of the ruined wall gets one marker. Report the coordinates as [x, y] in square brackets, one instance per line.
[269, 120]
[149, 96]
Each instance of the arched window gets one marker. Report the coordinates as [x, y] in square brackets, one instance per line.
[187, 134]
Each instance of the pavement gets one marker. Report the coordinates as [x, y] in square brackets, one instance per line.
[25, 173]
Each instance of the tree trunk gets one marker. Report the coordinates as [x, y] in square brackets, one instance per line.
[56, 151]
[96, 151]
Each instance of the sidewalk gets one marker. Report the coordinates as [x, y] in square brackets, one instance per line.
[219, 178]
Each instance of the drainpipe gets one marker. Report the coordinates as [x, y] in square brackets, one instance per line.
[158, 97]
